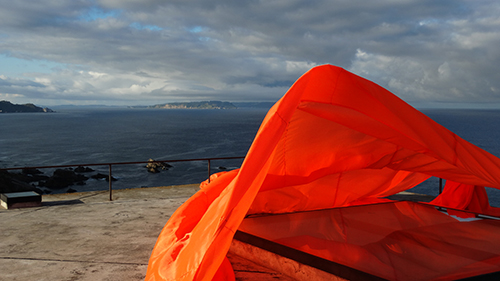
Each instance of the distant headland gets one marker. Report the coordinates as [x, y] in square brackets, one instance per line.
[8, 107]
[192, 105]
[208, 105]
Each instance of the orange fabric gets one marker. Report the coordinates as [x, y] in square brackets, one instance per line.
[334, 139]
[225, 272]
[394, 241]
[465, 197]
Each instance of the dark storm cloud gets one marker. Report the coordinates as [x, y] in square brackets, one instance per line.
[254, 50]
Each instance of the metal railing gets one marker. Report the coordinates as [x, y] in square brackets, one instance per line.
[126, 163]
[110, 174]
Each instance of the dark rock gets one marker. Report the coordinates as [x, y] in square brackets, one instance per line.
[37, 178]
[81, 169]
[13, 182]
[32, 171]
[222, 168]
[100, 176]
[153, 170]
[63, 178]
[31, 175]
[154, 166]
[70, 190]
[21, 177]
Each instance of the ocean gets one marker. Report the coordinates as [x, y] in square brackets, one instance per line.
[104, 135]
[107, 135]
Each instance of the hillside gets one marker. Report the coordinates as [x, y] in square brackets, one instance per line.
[193, 105]
[8, 107]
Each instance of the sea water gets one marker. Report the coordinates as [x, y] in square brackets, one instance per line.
[106, 135]
[79, 136]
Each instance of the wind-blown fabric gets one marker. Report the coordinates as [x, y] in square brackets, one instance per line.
[334, 139]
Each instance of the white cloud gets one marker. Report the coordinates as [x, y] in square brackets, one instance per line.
[137, 51]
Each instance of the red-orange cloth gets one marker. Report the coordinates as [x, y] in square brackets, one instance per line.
[334, 139]
[465, 197]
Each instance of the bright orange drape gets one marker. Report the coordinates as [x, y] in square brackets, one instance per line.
[335, 139]
[395, 241]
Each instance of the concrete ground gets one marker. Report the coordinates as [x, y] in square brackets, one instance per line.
[84, 236]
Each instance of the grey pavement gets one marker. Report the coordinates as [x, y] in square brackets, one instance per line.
[84, 236]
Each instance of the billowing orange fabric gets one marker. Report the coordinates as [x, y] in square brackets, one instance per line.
[334, 139]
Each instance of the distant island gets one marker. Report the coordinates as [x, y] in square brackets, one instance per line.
[258, 104]
[8, 107]
[209, 105]
[192, 105]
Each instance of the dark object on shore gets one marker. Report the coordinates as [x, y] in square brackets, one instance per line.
[100, 176]
[154, 166]
[81, 169]
[23, 199]
[28, 179]
[32, 171]
[63, 178]
[14, 182]
[30, 175]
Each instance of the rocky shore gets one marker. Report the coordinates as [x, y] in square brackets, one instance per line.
[35, 180]
[62, 179]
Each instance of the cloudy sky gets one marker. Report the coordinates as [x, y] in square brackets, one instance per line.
[127, 52]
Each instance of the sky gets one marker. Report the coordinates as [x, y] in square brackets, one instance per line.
[143, 52]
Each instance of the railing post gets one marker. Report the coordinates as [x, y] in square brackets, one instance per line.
[208, 170]
[110, 184]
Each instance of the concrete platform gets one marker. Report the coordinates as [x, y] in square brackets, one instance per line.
[84, 236]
